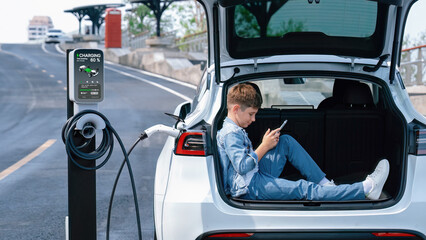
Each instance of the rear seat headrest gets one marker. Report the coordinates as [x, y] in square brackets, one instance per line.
[357, 94]
[339, 87]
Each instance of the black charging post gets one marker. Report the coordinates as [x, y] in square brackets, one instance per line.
[85, 90]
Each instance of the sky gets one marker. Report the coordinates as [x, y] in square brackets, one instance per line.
[15, 17]
[416, 22]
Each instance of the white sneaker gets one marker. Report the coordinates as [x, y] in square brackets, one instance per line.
[378, 179]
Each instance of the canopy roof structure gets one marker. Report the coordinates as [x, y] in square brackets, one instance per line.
[94, 12]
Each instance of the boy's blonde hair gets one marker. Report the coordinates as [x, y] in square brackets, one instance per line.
[244, 94]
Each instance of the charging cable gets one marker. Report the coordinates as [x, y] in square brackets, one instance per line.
[159, 128]
[107, 145]
[86, 129]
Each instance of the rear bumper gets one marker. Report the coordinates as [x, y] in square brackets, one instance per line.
[205, 220]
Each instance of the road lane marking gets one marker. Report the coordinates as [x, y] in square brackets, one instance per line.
[12, 54]
[58, 48]
[43, 47]
[152, 83]
[26, 159]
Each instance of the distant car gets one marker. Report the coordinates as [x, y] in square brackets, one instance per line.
[330, 68]
[55, 36]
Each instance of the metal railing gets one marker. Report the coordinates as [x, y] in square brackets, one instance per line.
[134, 41]
[139, 41]
[413, 65]
[196, 42]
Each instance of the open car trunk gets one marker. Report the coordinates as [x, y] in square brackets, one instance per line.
[347, 126]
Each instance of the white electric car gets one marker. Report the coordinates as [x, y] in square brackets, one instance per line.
[330, 67]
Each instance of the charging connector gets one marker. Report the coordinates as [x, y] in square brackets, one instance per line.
[88, 131]
[160, 128]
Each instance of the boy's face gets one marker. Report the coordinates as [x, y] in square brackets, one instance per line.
[246, 117]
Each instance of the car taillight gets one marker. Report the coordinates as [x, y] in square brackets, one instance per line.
[420, 141]
[393, 234]
[191, 143]
[231, 235]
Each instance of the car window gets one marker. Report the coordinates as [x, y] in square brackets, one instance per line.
[296, 93]
[201, 89]
[340, 27]
[348, 18]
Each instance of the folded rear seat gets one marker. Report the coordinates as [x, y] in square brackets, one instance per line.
[354, 133]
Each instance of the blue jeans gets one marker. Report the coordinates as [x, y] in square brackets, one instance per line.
[265, 184]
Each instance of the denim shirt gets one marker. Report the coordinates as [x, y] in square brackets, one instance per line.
[238, 160]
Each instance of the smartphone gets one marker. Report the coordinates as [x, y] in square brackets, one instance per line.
[282, 125]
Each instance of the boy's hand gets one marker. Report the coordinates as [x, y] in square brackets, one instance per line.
[269, 141]
[271, 138]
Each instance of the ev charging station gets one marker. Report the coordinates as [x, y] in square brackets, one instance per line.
[85, 68]
[85, 78]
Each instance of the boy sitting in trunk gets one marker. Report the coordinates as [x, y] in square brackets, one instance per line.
[254, 174]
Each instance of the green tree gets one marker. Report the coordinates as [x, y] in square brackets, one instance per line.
[140, 20]
[247, 25]
[409, 41]
[286, 27]
[422, 38]
[263, 11]
[189, 17]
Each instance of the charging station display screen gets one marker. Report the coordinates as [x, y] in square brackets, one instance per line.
[88, 75]
[89, 91]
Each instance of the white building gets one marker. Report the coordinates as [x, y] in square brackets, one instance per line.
[38, 27]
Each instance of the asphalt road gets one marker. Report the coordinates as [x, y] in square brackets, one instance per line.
[33, 198]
